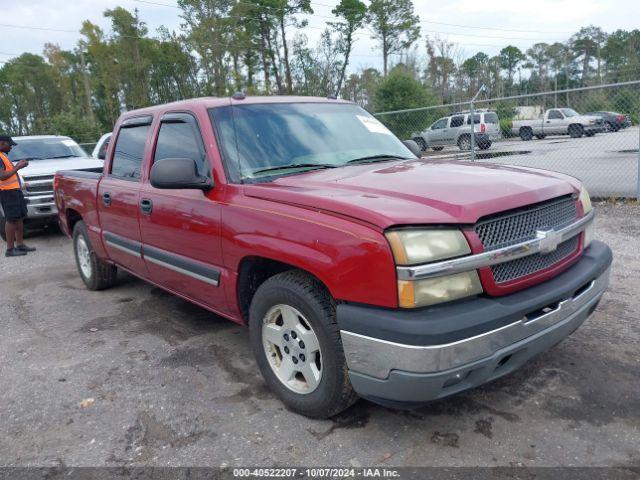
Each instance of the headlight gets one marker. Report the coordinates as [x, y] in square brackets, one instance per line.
[420, 293]
[415, 246]
[411, 247]
[585, 200]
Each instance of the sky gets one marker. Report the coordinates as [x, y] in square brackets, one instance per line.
[472, 25]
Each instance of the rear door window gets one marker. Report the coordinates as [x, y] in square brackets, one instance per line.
[457, 121]
[128, 151]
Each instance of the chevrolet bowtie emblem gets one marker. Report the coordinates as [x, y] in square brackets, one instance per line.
[549, 240]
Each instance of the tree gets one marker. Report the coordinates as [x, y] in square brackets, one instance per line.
[352, 14]
[586, 44]
[510, 58]
[400, 90]
[394, 25]
[539, 55]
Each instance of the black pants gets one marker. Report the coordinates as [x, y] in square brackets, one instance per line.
[13, 204]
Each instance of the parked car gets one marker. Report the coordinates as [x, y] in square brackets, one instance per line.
[360, 269]
[46, 154]
[613, 121]
[456, 130]
[558, 121]
[100, 150]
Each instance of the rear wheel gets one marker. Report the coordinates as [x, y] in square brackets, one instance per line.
[464, 142]
[297, 345]
[96, 274]
[576, 131]
[485, 145]
[526, 134]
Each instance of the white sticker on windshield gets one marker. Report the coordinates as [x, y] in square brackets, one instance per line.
[373, 125]
[68, 143]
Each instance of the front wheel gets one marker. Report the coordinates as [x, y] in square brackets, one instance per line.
[576, 131]
[296, 341]
[96, 274]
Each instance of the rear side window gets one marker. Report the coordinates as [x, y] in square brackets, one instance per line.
[490, 117]
[457, 121]
[128, 152]
[179, 139]
[476, 119]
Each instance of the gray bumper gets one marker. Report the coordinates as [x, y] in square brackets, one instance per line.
[395, 372]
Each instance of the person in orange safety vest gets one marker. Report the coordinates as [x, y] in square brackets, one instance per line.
[14, 207]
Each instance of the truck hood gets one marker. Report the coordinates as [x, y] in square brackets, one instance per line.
[416, 192]
[51, 166]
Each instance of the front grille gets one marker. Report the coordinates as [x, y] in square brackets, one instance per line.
[39, 178]
[46, 188]
[504, 272]
[520, 226]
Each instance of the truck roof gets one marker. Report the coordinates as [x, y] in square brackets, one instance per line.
[38, 137]
[212, 102]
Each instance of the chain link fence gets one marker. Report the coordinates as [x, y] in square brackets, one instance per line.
[590, 133]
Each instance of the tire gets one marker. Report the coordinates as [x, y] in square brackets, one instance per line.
[464, 142]
[301, 304]
[437, 149]
[540, 137]
[421, 143]
[3, 233]
[96, 274]
[526, 134]
[484, 145]
[576, 131]
[609, 127]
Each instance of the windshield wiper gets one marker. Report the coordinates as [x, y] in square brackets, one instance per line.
[295, 165]
[377, 158]
[28, 158]
[62, 156]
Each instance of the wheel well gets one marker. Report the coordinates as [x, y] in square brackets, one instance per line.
[253, 272]
[73, 217]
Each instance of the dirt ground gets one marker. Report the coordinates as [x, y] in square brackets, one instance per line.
[136, 376]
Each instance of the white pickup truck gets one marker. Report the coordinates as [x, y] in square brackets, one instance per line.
[558, 121]
[46, 155]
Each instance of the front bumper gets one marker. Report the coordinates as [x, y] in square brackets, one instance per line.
[411, 357]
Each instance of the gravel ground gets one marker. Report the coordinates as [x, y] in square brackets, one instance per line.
[135, 376]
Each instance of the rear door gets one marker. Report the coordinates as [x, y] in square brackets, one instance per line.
[119, 194]
[181, 228]
[456, 125]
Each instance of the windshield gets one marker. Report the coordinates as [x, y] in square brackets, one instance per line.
[44, 148]
[570, 112]
[263, 140]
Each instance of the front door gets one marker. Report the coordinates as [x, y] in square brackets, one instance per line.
[555, 123]
[181, 228]
[118, 196]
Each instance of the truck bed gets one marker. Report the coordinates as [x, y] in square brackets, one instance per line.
[76, 191]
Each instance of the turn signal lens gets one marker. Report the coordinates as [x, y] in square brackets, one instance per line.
[430, 291]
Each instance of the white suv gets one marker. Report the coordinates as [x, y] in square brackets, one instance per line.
[456, 130]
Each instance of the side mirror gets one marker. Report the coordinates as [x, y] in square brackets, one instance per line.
[413, 146]
[175, 173]
[102, 154]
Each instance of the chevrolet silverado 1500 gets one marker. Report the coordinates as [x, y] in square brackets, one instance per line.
[558, 121]
[360, 269]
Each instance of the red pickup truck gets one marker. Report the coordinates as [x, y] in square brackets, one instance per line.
[360, 269]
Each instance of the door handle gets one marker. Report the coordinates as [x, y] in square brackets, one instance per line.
[146, 206]
[106, 198]
[548, 121]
